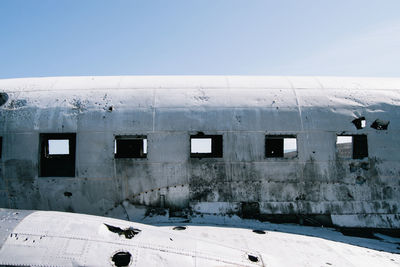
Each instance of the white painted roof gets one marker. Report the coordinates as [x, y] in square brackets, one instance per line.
[210, 82]
[131, 92]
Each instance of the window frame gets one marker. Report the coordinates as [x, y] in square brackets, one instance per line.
[122, 138]
[355, 139]
[48, 162]
[267, 154]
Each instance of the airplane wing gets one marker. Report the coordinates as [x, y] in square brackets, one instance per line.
[47, 238]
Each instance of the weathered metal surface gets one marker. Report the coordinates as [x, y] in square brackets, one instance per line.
[48, 238]
[63, 239]
[352, 192]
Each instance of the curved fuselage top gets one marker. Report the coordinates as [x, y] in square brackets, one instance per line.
[183, 94]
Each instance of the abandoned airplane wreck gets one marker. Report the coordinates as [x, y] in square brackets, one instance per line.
[317, 148]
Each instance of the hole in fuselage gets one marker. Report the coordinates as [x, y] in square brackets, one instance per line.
[260, 232]
[359, 123]
[380, 124]
[253, 258]
[121, 258]
[128, 232]
[179, 228]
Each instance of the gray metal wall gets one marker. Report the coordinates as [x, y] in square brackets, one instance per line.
[354, 192]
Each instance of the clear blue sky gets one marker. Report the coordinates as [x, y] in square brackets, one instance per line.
[197, 37]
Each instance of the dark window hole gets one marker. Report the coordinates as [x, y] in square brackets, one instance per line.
[57, 154]
[280, 146]
[3, 98]
[121, 258]
[130, 147]
[179, 228]
[253, 258]
[128, 233]
[68, 194]
[352, 146]
[260, 232]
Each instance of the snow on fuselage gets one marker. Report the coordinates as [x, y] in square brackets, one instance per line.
[44, 238]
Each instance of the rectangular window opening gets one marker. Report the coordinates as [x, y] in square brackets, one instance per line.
[130, 147]
[352, 146]
[1, 146]
[280, 146]
[206, 146]
[57, 155]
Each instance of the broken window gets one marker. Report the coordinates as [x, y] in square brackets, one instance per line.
[360, 123]
[130, 147]
[206, 146]
[57, 155]
[280, 146]
[352, 146]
